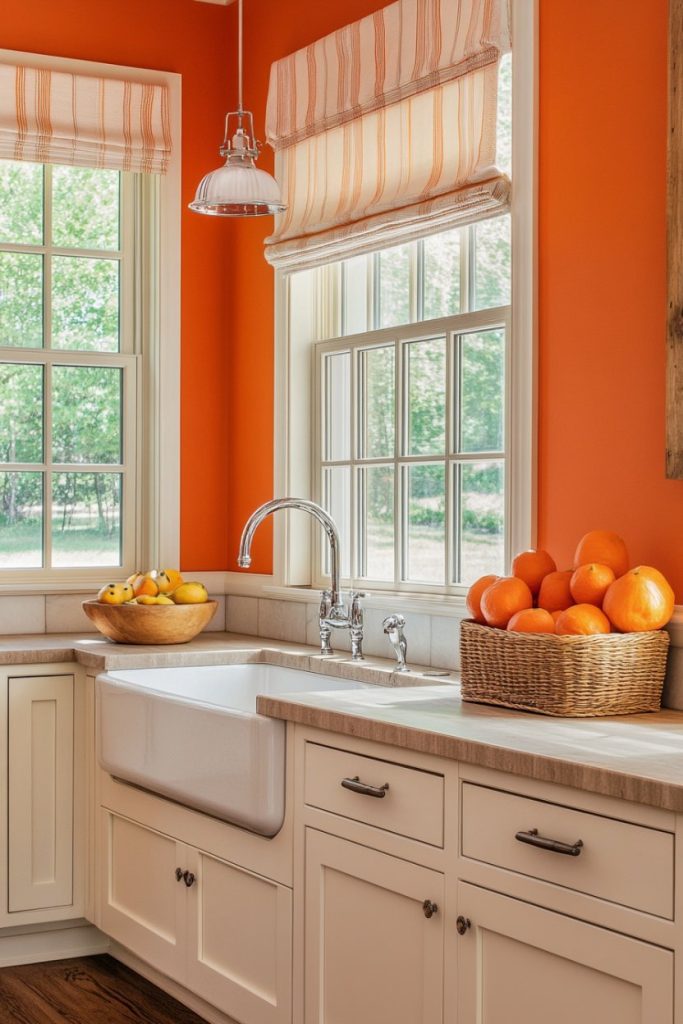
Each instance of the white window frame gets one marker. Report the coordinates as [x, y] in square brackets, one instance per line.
[294, 381]
[450, 328]
[154, 240]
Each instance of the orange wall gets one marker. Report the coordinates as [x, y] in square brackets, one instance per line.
[193, 39]
[602, 279]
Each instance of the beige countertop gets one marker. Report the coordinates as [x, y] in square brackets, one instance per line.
[634, 757]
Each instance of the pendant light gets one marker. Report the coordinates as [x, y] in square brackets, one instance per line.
[238, 188]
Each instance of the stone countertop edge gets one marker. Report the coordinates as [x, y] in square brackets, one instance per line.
[572, 772]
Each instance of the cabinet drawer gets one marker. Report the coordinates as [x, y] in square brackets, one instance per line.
[620, 862]
[411, 804]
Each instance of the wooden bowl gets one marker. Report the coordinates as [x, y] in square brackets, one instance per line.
[150, 623]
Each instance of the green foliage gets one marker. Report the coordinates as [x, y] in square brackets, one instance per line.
[85, 401]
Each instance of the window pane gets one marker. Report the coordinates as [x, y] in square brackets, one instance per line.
[21, 202]
[377, 488]
[85, 304]
[426, 524]
[86, 414]
[492, 262]
[482, 374]
[426, 368]
[86, 519]
[377, 402]
[337, 501]
[355, 294]
[21, 300]
[394, 286]
[337, 407]
[85, 208]
[442, 274]
[21, 412]
[21, 520]
[482, 506]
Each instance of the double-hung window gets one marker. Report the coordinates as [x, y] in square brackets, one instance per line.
[68, 371]
[89, 289]
[406, 352]
[410, 435]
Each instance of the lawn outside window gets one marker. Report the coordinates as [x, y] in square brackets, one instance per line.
[69, 370]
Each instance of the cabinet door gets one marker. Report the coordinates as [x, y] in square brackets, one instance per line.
[241, 960]
[517, 962]
[371, 954]
[40, 798]
[143, 905]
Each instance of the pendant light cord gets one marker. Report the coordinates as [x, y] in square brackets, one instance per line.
[239, 54]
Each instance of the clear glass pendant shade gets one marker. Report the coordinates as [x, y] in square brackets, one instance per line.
[239, 188]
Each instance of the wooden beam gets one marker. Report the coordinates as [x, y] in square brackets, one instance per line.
[674, 340]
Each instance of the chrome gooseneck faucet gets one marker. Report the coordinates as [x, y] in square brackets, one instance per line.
[333, 612]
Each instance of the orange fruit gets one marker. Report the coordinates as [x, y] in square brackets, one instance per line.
[555, 594]
[473, 599]
[590, 582]
[532, 620]
[145, 586]
[556, 614]
[582, 620]
[604, 547]
[532, 566]
[502, 599]
[642, 599]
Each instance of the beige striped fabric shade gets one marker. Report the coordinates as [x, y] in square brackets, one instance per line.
[386, 129]
[60, 118]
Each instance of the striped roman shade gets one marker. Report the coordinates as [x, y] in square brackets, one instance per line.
[386, 129]
[55, 117]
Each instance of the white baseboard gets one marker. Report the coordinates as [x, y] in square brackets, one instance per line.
[192, 1002]
[54, 944]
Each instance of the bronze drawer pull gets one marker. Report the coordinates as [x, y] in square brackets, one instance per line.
[356, 786]
[429, 908]
[532, 838]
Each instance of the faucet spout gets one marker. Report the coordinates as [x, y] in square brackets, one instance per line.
[326, 521]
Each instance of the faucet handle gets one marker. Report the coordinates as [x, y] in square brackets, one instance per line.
[356, 608]
[325, 603]
[393, 622]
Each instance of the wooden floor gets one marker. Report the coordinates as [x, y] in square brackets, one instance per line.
[91, 990]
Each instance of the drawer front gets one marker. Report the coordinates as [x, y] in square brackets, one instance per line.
[623, 863]
[411, 805]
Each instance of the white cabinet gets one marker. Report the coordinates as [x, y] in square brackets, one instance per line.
[215, 928]
[373, 945]
[143, 906]
[40, 792]
[42, 827]
[518, 962]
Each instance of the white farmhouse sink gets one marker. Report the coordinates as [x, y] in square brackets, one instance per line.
[193, 734]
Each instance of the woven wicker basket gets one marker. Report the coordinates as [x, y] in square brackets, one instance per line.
[570, 676]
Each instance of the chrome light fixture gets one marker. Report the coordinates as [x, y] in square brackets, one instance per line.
[238, 188]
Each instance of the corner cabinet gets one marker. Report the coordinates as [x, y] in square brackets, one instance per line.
[42, 794]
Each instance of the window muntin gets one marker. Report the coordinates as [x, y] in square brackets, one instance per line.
[68, 372]
[422, 406]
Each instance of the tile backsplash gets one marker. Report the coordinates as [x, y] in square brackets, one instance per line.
[432, 639]
[62, 613]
